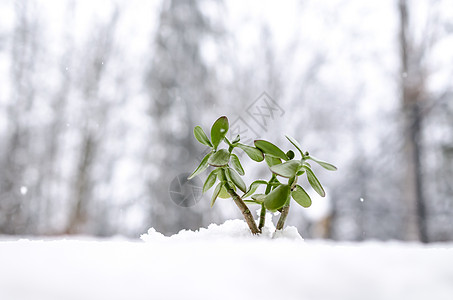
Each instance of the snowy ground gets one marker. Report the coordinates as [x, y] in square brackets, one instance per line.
[211, 264]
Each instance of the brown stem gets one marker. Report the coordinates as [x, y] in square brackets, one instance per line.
[243, 208]
[282, 219]
[263, 209]
[262, 217]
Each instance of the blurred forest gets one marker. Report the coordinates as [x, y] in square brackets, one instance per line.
[98, 100]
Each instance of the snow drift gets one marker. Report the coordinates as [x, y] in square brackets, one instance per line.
[223, 262]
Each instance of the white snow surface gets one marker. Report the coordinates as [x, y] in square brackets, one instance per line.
[222, 262]
[231, 229]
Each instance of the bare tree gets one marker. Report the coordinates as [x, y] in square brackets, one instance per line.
[179, 84]
[18, 156]
[95, 113]
[413, 98]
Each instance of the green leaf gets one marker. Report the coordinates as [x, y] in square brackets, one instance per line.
[278, 197]
[253, 187]
[236, 164]
[288, 200]
[219, 158]
[296, 144]
[259, 198]
[290, 154]
[218, 131]
[201, 136]
[300, 172]
[272, 161]
[314, 182]
[237, 180]
[270, 149]
[228, 176]
[201, 167]
[216, 193]
[287, 169]
[301, 196]
[252, 152]
[220, 174]
[210, 180]
[323, 164]
[224, 193]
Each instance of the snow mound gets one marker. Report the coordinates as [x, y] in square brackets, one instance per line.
[231, 229]
[227, 268]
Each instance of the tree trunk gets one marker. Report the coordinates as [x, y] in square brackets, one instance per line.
[412, 91]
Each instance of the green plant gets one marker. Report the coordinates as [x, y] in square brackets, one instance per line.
[228, 171]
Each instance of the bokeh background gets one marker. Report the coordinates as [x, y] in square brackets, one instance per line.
[98, 100]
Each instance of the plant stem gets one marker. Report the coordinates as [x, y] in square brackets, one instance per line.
[282, 219]
[242, 207]
[244, 210]
[285, 209]
[262, 217]
[263, 209]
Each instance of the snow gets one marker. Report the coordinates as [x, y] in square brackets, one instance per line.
[23, 190]
[214, 263]
[231, 229]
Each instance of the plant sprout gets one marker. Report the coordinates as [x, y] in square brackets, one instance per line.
[283, 165]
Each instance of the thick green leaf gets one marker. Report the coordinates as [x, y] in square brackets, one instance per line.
[219, 158]
[300, 172]
[218, 131]
[278, 197]
[287, 169]
[252, 152]
[301, 196]
[237, 180]
[216, 193]
[290, 154]
[296, 144]
[228, 176]
[288, 200]
[324, 164]
[224, 193]
[314, 182]
[253, 187]
[220, 174]
[272, 161]
[210, 180]
[270, 149]
[201, 136]
[259, 198]
[236, 164]
[201, 167]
